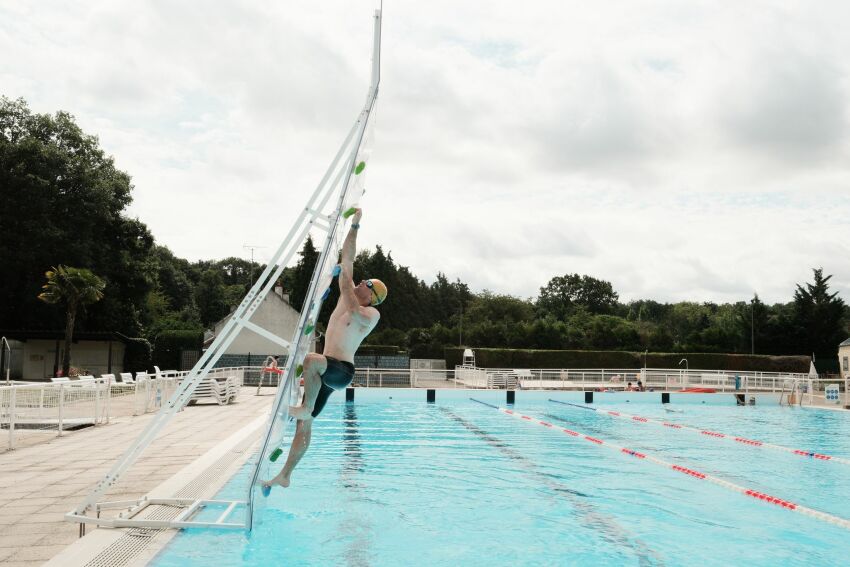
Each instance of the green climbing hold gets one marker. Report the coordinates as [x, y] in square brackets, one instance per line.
[275, 454]
[360, 167]
[349, 212]
[309, 329]
[298, 370]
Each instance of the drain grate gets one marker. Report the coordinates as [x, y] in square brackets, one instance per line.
[135, 540]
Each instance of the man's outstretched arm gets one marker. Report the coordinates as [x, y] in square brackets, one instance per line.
[346, 276]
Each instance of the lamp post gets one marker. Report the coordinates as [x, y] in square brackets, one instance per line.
[251, 247]
[460, 326]
[685, 360]
[752, 327]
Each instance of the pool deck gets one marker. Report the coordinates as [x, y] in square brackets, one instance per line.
[40, 483]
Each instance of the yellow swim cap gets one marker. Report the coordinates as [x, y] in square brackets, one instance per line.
[378, 289]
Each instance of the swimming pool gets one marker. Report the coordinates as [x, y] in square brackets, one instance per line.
[392, 480]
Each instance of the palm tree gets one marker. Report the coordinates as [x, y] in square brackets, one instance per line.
[76, 287]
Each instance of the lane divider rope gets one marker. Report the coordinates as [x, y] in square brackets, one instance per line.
[792, 506]
[709, 433]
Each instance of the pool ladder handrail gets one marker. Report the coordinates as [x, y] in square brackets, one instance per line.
[7, 357]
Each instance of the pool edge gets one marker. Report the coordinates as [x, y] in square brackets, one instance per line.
[104, 543]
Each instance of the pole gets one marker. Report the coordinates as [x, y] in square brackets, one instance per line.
[752, 328]
[252, 248]
[96, 401]
[12, 418]
[460, 325]
[5, 357]
[61, 406]
[108, 395]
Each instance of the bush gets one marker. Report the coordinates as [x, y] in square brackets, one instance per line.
[170, 344]
[378, 350]
[137, 355]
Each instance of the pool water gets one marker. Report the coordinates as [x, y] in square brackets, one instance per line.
[392, 480]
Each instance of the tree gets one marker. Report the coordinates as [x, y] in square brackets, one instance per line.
[489, 306]
[299, 278]
[76, 288]
[211, 298]
[63, 201]
[752, 324]
[563, 294]
[819, 315]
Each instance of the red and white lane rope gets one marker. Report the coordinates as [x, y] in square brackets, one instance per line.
[709, 433]
[811, 512]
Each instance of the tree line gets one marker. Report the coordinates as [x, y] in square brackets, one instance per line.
[64, 204]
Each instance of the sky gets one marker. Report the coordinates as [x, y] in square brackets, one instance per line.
[692, 151]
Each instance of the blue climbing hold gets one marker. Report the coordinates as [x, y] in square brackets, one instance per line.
[326, 294]
[337, 270]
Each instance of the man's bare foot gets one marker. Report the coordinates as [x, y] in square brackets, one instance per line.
[298, 412]
[279, 480]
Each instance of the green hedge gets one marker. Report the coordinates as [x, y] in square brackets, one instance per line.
[379, 350]
[169, 345]
[137, 355]
[526, 358]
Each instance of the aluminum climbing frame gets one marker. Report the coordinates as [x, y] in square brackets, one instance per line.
[327, 209]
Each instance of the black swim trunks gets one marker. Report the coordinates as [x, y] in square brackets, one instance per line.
[337, 376]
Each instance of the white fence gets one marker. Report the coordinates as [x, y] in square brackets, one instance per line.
[619, 379]
[31, 412]
[34, 412]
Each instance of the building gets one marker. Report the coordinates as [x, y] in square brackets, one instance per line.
[844, 358]
[37, 355]
[275, 315]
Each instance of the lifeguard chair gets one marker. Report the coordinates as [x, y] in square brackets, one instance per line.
[468, 357]
[269, 372]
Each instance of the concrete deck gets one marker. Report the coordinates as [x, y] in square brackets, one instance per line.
[40, 483]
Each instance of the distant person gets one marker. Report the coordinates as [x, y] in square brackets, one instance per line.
[629, 387]
[352, 320]
[639, 386]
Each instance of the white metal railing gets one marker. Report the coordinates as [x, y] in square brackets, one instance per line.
[34, 412]
[6, 355]
[31, 412]
[619, 379]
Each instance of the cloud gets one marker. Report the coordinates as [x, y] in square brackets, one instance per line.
[679, 150]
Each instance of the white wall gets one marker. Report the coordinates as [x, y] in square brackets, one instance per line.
[91, 356]
[274, 315]
[844, 360]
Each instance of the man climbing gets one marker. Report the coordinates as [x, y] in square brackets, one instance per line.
[352, 320]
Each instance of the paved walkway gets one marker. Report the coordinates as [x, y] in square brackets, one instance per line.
[39, 484]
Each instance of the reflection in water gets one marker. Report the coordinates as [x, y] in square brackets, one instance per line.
[356, 528]
[352, 464]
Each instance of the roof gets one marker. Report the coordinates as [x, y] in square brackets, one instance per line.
[845, 343]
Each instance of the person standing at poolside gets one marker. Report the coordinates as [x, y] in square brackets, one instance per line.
[352, 320]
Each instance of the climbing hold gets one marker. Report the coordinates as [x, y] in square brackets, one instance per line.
[326, 294]
[337, 270]
[360, 167]
[275, 454]
[299, 369]
[309, 329]
[349, 212]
